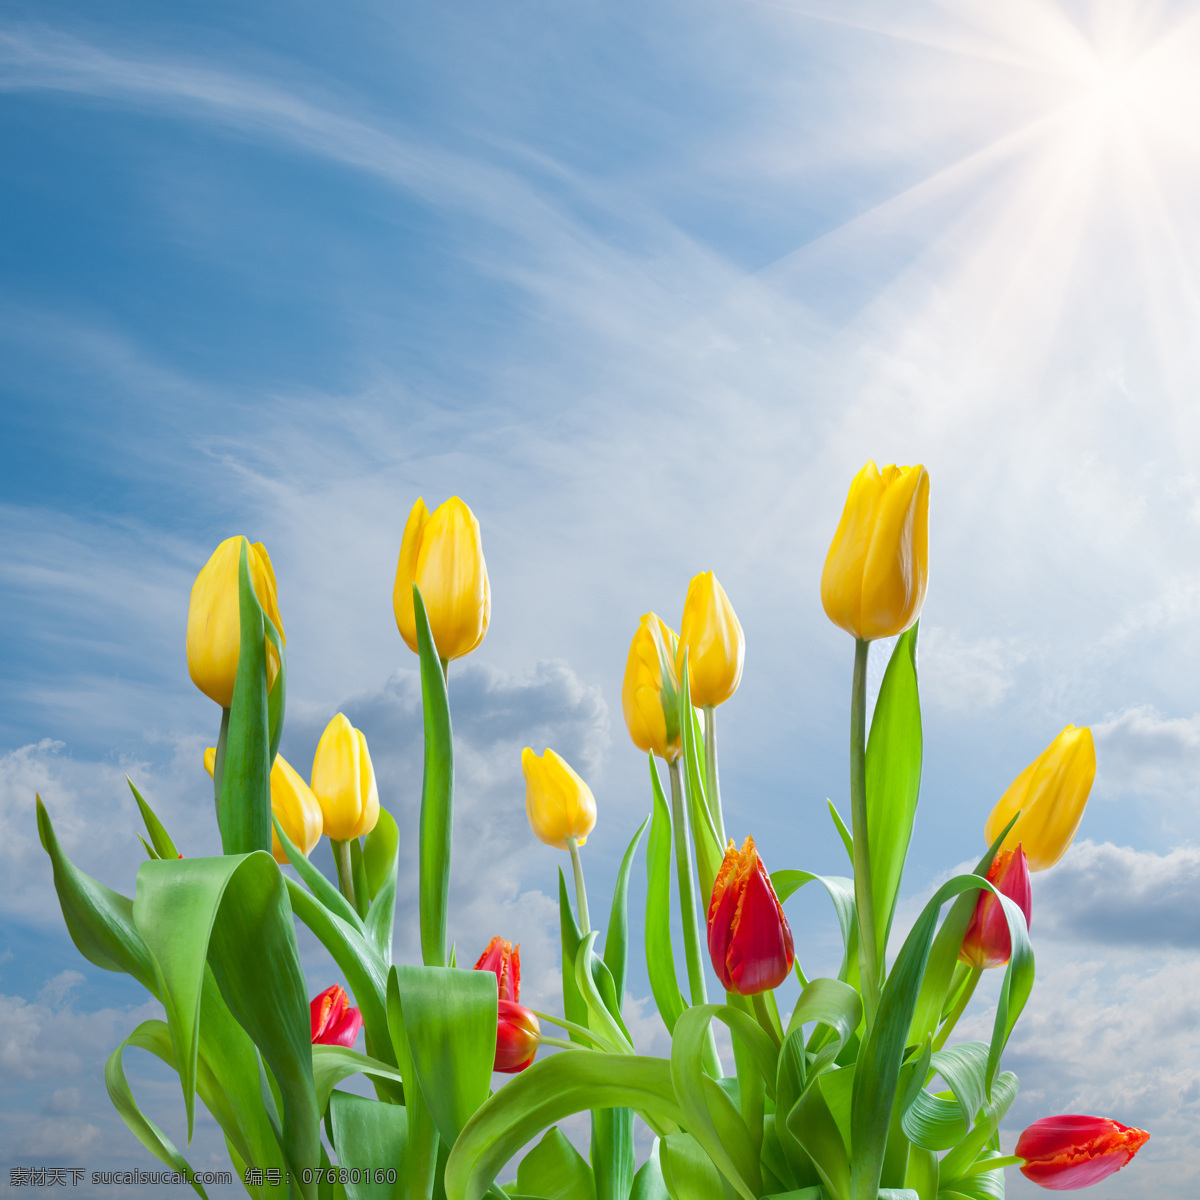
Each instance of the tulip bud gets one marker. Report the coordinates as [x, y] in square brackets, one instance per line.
[214, 628]
[334, 1022]
[749, 939]
[505, 963]
[1067, 1152]
[650, 692]
[711, 638]
[441, 553]
[292, 802]
[877, 569]
[987, 942]
[343, 781]
[558, 803]
[518, 1035]
[1050, 794]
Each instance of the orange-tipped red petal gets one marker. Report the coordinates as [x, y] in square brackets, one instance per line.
[749, 939]
[504, 961]
[1075, 1151]
[333, 1021]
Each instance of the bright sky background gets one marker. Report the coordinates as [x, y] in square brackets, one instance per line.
[644, 283]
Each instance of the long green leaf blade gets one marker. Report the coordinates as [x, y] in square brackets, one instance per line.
[893, 779]
[437, 794]
[660, 955]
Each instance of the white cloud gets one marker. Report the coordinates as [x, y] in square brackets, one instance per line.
[1148, 755]
[964, 676]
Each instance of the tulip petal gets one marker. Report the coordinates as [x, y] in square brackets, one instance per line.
[1075, 1151]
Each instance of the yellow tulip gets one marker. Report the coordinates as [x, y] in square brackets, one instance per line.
[292, 802]
[877, 569]
[712, 639]
[558, 803]
[214, 629]
[650, 691]
[442, 554]
[343, 781]
[1051, 794]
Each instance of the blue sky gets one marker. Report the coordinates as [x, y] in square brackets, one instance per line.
[645, 284]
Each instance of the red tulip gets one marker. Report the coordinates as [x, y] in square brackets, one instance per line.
[1062, 1153]
[987, 942]
[334, 1021]
[518, 1035]
[504, 960]
[749, 939]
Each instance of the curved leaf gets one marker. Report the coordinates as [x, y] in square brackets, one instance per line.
[893, 779]
[153, 1036]
[687, 1171]
[369, 1136]
[616, 938]
[660, 955]
[546, 1093]
[437, 794]
[332, 1064]
[320, 887]
[450, 1019]
[878, 1065]
[555, 1170]
[195, 909]
[99, 920]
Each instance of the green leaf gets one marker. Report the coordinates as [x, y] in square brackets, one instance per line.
[844, 833]
[450, 1019]
[709, 851]
[574, 1008]
[709, 1115]
[660, 956]
[893, 779]
[878, 1064]
[365, 971]
[420, 1168]
[368, 1136]
[244, 808]
[833, 1004]
[358, 872]
[617, 937]
[195, 909]
[921, 1173]
[813, 1125]
[320, 887]
[161, 840]
[99, 920]
[612, 1151]
[601, 1020]
[437, 793]
[687, 1171]
[964, 1156]
[939, 975]
[150, 1035]
[381, 853]
[841, 891]
[555, 1170]
[648, 1183]
[332, 1064]
[549, 1091]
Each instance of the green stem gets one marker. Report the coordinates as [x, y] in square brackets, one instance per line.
[712, 783]
[990, 1164]
[219, 761]
[687, 894]
[585, 925]
[345, 870]
[581, 1030]
[767, 1019]
[563, 1044]
[960, 1006]
[445, 668]
[868, 950]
